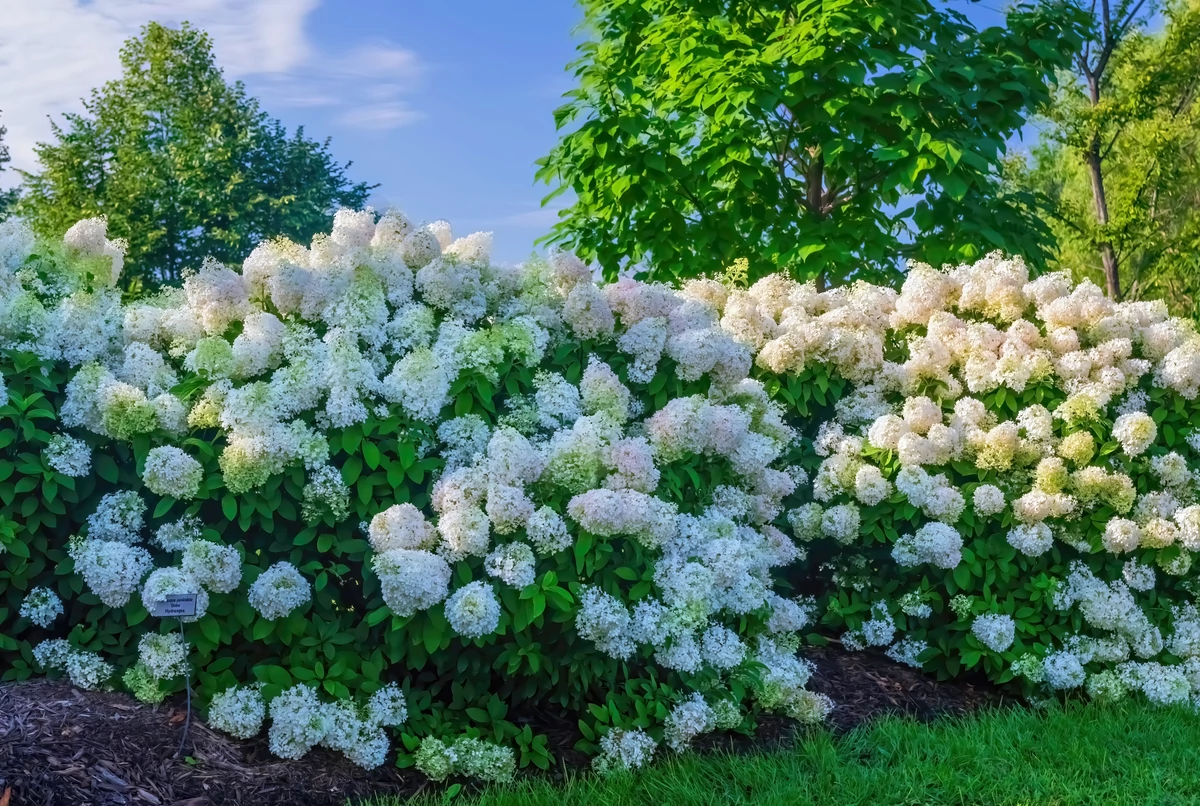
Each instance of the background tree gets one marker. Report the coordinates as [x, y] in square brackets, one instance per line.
[184, 164]
[1118, 165]
[832, 137]
[7, 197]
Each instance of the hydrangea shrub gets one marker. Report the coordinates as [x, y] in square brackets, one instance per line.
[1021, 479]
[385, 464]
[422, 495]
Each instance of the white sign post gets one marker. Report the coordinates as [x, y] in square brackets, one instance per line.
[175, 605]
[179, 606]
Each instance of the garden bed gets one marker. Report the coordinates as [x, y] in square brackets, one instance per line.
[62, 745]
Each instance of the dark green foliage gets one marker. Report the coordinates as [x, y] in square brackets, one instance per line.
[830, 139]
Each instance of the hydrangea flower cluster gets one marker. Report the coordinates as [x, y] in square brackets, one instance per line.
[87, 670]
[301, 721]
[624, 751]
[42, 606]
[1018, 407]
[68, 455]
[466, 756]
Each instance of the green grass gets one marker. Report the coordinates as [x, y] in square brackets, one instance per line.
[1070, 756]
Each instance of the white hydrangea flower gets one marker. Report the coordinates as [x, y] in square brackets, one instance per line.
[279, 590]
[178, 535]
[217, 568]
[1138, 576]
[164, 656]
[111, 569]
[1172, 470]
[934, 543]
[547, 531]
[68, 455]
[364, 743]
[1188, 521]
[1134, 432]
[1121, 535]
[604, 620]
[624, 750]
[465, 531]
[994, 630]
[687, 720]
[238, 711]
[387, 707]
[401, 526]
[411, 580]
[41, 606]
[870, 487]
[721, 648]
[169, 471]
[988, 499]
[908, 651]
[119, 516]
[511, 563]
[1031, 539]
[298, 722]
[473, 610]
[508, 508]
[465, 439]
[841, 522]
[53, 653]
[88, 670]
[880, 629]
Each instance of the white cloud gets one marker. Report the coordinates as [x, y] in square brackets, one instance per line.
[53, 52]
[363, 88]
[380, 117]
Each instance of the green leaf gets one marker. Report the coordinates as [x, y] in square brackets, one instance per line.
[229, 507]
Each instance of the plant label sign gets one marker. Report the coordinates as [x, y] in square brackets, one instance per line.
[175, 605]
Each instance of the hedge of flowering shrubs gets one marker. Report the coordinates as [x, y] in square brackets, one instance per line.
[413, 490]
[425, 497]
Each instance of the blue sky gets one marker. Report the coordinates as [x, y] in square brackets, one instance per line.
[445, 103]
[492, 75]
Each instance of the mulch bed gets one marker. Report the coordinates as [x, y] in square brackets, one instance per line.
[866, 685]
[60, 746]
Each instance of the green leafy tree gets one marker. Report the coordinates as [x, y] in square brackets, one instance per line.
[831, 137]
[1118, 166]
[7, 197]
[183, 164]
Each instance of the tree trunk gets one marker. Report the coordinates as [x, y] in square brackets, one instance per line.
[1108, 255]
[815, 194]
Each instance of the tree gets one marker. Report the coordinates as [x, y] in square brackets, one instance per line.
[183, 164]
[7, 197]
[1117, 169]
[830, 137]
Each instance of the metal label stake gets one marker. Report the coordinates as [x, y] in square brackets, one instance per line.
[180, 606]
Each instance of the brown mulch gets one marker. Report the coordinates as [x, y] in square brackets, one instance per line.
[867, 685]
[60, 746]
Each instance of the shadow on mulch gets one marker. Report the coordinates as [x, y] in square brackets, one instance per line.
[59, 745]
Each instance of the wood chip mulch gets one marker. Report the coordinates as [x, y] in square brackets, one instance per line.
[867, 685]
[60, 746]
